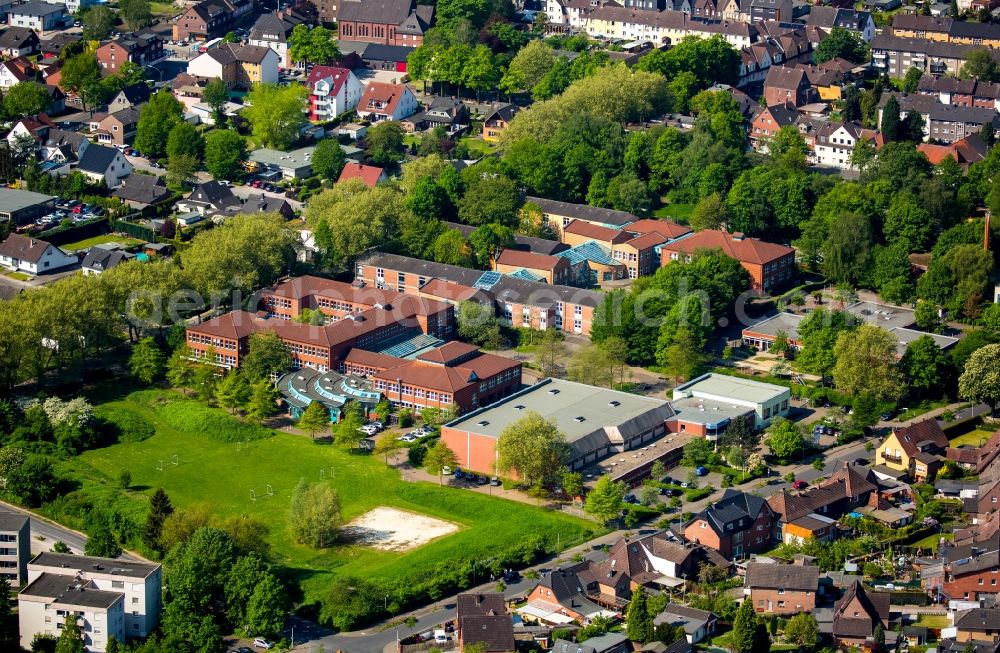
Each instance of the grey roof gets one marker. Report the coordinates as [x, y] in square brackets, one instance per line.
[385, 52]
[609, 642]
[776, 575]
[978, 619]
[97, 158]
[784, 322]
[292, 160]
[67, 590]
[830, 17]
[584, 212]
[24, 248]
[691, 619]
[588, 416]
[526, 243]
[734, 387]
[91, 564]
[136, 93]
[60, 137]
[213, 194]
[100, 259]
[387, 12]
[13, 200]
[17, 37]
[505, 112]
[145, 189]
[534, 293]
[12, 521]
[736, 511]
[941, 49]
[37, 8]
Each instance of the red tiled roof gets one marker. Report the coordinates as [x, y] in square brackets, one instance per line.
[370, 359]
[597, 232]
[389, 94]
[448, 352]
[234, 325]
[645, 241]
[521, 259]
[745, 250]
[368, 174]
[447, 378]
[450, 290]
[667, 228]
[335, 74]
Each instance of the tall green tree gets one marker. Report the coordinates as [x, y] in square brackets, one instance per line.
[744, 628]
[439, 456]
[314, 515]
[385, 142]
[314, 45]
[233, 391]
[275, 114]
[263, 402]
[314, 419]
[71, 637]
[890, 119]
[925, 367]
[159, 509]
[136, 13]
[605, 501]
[156, 120]
[146, 361]
[25, 99]
[215, 95]
[98, 23]
[532, 447]
[225, 153]
[185, 139]
[638, 618]
[980, 380]
[328, 159]
[841, 43]
[866, 364]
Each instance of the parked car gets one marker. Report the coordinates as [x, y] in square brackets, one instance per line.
[255, 183]
[631, 498]
[799, 485]
[377, 424]
[260, 642]
[458, 474]
[701, 471]
[407, 438]
[481, 480]
[886, 416]
[668, 480]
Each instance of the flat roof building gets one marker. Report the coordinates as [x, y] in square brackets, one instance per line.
[23, 206]
[707, 404]
[595, 421]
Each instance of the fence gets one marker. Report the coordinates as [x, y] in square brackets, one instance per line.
[59, 236]
[426, 646]
[135, 230]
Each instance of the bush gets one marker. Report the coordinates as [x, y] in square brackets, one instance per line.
[124, 425]
[698, 494]
[415, 455]
[188, 415]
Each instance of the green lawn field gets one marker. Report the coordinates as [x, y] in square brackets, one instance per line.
[101, 240]
[211, 471]
[972, 438]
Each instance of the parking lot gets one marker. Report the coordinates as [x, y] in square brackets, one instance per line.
[72, 210]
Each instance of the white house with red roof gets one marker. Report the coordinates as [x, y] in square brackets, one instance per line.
[371, 175]
[382, 101]
[332, 91]
[36, 128]
[16, 70]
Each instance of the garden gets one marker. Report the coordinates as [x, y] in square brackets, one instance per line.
[203, 458]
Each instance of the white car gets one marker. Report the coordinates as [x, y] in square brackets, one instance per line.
[260, 642]
[407, 438]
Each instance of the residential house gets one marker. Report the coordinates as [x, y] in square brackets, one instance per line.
[208, 197]
[943, 123]
[698, 625]
[294, 164]
[62, 147]
[261, 203]
[606, 643]
[768, 121]
[332, 91]
[735, 526]
[54, 46]
[143, 191]
[946, 29]
[17, 70]
[370, 175]
[965, 151]
[239, 66]
[542, 267]
[836, 142]
[100, 259]
[449, 113]
[130, 97]
[810, 514]
[497, 122]
[271, 30]
[23, 254]
[392, 22]
[777, 10]
[45, 604]
[978, 625]
[667, 27]
[381, 101]
[857, 22]
[787, 86]
[105, 165]
[39, 16]
[25, 128]
[858, 613]
[895, 55]
[209, 19]
[961, 92]
[781, 589]
[15, 534]
[18, 42]
[972, 573]
[141, 48]
[137, 584]
[518, 302]
[769, 265]
[917, 449]
[116, 128]
[482, 619]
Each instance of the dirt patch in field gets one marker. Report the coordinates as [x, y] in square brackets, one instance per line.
[391, 529]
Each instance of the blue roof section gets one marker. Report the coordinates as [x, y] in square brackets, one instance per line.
[488, 280]
[589, 251]
[410, 346]
[526, 274]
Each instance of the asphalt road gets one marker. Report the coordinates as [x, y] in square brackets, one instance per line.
[45, 533]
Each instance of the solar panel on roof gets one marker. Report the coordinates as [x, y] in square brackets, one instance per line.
[487, 280]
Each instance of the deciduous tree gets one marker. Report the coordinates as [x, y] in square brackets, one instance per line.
[328, 159]
[385, 142]
[146, 361]
[532, 447]
[314, 419]
[439, 456]
[275, 114]
[312, 45]
[156, 120]
[25, 99]
[980, 380]
[314, 516]
[785, 440]
[605, 501]
[866, 364]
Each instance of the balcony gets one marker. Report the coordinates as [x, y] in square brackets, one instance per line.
[894, 460]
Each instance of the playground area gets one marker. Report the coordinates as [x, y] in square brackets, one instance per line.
[390, 529]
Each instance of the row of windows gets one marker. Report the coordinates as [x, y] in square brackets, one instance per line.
[218, 343]
[307, 350]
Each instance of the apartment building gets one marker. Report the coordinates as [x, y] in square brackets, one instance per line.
[860, 23]
[518, 302]
[332, 91]
[15, 547]
[666, 27]
[538, 267]
[139, 48]
[736, 525]
[769, 265]
[50, 599]
[272, 31]
[943, 123]
[961, 92]
[210, 19]
[239, 66]
[836, 142]
[894, 55]
[946, 30]
[381, 101]
[972, 574]
[139, 584]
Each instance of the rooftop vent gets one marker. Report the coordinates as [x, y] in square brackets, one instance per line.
[482, 423]
[554, 391]
[614, 403]
[579, 418]
[519, 407]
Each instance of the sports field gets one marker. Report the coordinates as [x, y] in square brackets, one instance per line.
[211, 470]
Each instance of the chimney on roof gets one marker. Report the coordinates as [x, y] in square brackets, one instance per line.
[847, 464]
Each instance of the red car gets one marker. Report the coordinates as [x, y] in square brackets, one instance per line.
[78, 208]
[800, 485]
[255, 183]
